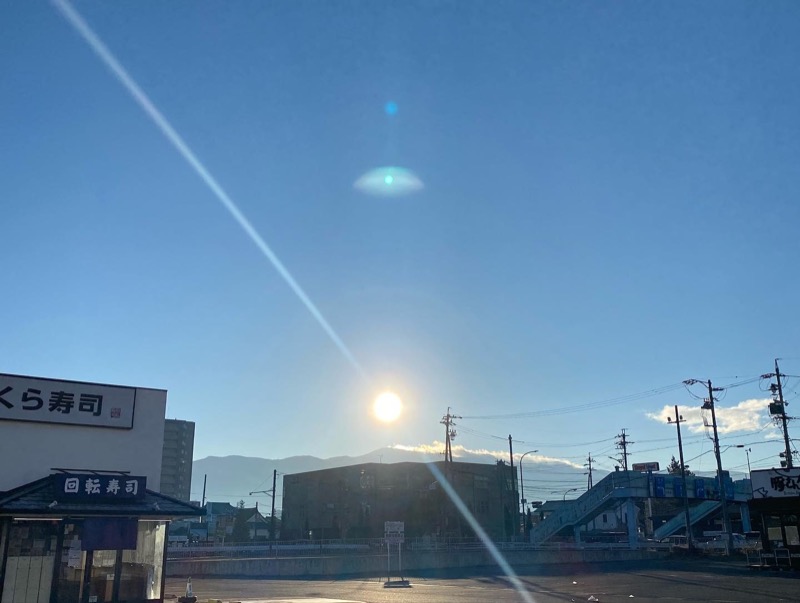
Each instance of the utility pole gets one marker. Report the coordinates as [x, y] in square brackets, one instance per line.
[722, 495]
[513, 479]
[678, 420]
[622, 444]
[272, 513]
[590, 483]
[708, 404]
[270, 493]
[588, 463]
[778, 407]
[449, 434]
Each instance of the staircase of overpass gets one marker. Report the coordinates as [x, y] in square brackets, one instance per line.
[696, 513]
[608, 492]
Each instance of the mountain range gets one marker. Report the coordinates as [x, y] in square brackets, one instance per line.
[232, 478]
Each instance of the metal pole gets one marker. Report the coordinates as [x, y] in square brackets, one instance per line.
[789, 464]
[722, 496]
[272, 515]
[522, 487]
[515, 518]
[678, 420]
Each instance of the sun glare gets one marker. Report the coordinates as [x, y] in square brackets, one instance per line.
[387, 407]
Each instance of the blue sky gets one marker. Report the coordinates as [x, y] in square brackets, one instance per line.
[610, 206]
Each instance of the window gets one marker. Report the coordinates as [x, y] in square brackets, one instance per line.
[140, 572]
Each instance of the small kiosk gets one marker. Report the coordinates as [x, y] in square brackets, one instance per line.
[81, 519]
[96, 537]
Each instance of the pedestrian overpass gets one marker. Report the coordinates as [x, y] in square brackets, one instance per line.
[627, 488]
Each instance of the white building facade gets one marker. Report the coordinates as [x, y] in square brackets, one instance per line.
[81, 518]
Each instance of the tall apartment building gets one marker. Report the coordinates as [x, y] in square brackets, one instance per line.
[176, 462]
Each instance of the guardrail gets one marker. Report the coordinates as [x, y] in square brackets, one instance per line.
[376, 546]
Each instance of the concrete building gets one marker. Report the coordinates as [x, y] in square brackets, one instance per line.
[355, 501]
[176, 461]
[81, 518]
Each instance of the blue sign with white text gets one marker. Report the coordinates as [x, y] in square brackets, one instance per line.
[105, 488]
[699, 488]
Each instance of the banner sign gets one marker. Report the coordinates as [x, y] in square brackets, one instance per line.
[776, 483]
[100, 488]
[66, 402]
[643, 467]
[699, 488]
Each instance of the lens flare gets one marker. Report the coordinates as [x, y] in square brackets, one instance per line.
[481, 533]
[389, 181]
[104, 54]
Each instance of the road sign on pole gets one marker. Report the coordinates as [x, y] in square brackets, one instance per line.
[394, 533]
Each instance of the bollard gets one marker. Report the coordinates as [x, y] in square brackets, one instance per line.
[189, 596]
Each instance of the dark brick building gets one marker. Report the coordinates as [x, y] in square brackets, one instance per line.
[355, 501]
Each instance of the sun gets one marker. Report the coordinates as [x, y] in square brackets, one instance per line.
[387, 407]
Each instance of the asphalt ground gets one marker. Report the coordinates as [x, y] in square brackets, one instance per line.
[661, 581]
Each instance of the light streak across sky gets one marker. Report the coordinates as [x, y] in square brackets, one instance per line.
[104, 54]
[481, 533]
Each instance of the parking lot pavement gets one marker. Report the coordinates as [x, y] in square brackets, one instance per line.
[662, 582]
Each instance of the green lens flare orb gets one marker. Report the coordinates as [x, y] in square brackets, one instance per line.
[389, 181]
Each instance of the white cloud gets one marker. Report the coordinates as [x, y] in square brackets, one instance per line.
[436, 448]
[748, 415]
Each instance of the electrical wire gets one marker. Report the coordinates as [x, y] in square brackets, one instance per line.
[582, 407]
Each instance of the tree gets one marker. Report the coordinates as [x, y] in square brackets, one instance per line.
[674, 467]
[241, 531]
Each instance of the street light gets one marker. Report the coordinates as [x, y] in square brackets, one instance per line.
[747, 451]
[521, 482]
[564, 498]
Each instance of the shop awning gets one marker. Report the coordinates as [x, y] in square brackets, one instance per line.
[39, 499]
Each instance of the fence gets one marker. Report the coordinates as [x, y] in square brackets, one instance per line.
[308, 548]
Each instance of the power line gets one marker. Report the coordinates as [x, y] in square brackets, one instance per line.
[583, 407]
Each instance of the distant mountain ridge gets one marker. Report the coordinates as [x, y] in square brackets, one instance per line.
[232, 478]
